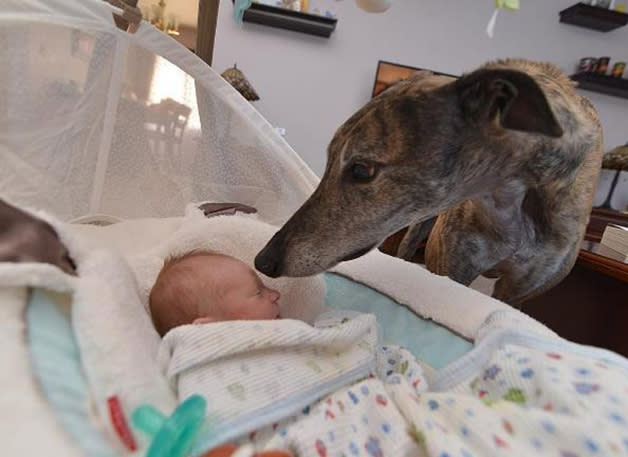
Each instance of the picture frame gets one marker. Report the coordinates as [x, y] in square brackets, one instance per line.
[389, 73]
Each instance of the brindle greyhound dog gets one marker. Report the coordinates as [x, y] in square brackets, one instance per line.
[507, 157]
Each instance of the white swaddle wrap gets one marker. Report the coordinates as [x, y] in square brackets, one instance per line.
[253, 373]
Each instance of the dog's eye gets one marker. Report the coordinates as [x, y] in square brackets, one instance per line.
[362, 171]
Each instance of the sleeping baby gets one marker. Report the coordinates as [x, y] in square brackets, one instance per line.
[222, 339]
[203, 286]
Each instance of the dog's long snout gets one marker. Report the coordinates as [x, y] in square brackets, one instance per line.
[270, 259]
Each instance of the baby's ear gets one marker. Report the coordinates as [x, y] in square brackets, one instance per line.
[204, 320]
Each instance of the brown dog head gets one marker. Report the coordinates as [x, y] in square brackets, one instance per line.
[421, 146]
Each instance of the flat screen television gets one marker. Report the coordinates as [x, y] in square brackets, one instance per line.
[388, 73]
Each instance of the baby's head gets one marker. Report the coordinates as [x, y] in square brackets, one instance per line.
[204, 287]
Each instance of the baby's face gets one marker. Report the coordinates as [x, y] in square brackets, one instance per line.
[241, 294]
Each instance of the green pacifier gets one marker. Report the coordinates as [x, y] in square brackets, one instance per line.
[171, 436]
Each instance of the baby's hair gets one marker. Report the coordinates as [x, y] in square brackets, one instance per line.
[173, 300]
[175, 258]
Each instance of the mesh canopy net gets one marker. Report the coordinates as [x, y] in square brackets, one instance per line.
[94, 119]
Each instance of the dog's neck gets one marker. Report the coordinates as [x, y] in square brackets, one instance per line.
[502, 206]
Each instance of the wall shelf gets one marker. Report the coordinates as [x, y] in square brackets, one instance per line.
[608, 85]
[593, 17]
[297, 21]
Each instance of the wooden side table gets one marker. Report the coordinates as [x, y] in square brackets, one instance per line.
[600, 218]
[603, 259]
[590, 306]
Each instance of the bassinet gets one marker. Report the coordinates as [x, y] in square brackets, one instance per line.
[97, 121]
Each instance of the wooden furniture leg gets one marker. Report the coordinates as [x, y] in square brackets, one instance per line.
[206, 29]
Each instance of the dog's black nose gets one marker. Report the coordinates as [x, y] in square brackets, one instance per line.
[268, 261]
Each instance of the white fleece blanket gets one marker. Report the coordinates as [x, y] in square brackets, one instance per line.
[118, 344]
[255, 372]
[25, 413]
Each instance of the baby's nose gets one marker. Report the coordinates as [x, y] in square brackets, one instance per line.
[274, 295]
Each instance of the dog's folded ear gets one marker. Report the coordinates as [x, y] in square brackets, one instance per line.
[512, 95]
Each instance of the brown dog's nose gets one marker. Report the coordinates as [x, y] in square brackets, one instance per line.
[269, 260]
